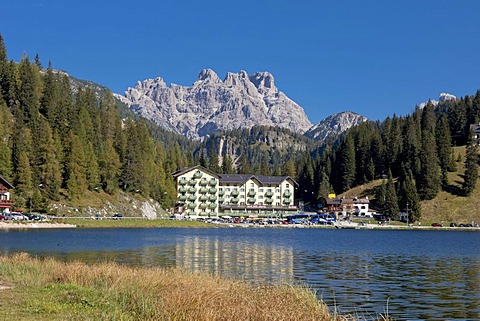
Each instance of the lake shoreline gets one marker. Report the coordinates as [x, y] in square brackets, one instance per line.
[184, 224]
[33, 225]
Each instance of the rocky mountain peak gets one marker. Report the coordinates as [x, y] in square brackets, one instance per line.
[265, 82]
[334, 125]
[239, 101]
[208, 74]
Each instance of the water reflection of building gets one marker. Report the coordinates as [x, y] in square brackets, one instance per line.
[253, 262]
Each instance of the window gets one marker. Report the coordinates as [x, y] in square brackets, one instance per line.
[287, 186]
[228, 189]
[278, 197]
[242, 195]
[261, 196]
[242, 189]
[261, 190]
[220, 189]
[252, 185]
[269, 190]
[277, 190]
[235, 189]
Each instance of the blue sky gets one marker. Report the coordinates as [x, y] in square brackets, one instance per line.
[375, 58]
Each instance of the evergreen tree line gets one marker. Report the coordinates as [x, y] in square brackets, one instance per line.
[58, 143]
[413, 154]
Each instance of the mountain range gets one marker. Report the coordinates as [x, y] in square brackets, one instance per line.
[238, 101]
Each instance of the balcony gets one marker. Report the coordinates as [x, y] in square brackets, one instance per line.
[234, 200]
[203, 182]
[191, 205]
[252, 193]
[192, 198]
[203, 190]
[182, 189]
[287, 193]
[212, 198]
[287, 201]
[182, 198]
[203, 206]
[269, 200]
[251, 200]
[212, 205]
[192, 190]
[203, 197]
[221, 193]
[198, 174]
[192, 182]
[221, 199]
[268, 194]
[212, 190]
[182, 182]
[213, 182]
[234, 193]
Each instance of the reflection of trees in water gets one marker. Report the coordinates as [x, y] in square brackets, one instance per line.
[158, 256]
[253, 262]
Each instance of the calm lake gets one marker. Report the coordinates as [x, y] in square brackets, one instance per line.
[414, 275]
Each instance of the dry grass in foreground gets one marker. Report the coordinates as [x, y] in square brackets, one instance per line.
[34, 289]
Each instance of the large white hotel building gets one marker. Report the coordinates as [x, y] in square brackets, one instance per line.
[201, 192]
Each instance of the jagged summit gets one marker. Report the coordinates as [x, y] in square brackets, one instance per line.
[335, 124]
[210, 104]
[443, 97]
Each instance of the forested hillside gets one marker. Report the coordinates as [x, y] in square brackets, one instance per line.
[60, 140]
[413, 154]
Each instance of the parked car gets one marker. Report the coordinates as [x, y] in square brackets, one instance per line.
[453, 225]
[15, 216]
[3, 217]
[437, 225]
[33, 217]
[117, 216]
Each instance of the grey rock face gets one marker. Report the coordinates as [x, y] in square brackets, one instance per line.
[210, 104]
[334, 125]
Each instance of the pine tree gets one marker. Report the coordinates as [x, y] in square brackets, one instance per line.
[408, 196]
[47, 162]
[391, 200]
[444, 147]
[227, 165]
[6, 124]
[470, 176]
[289, 169]
[109, 168]
[75, 169]
[428, 181]
[92, 168]
[345, 165]
[24, 180]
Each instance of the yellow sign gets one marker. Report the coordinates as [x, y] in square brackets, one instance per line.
[332, 195]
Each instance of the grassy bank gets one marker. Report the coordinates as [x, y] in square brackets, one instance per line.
[33, 289]
[129, 223]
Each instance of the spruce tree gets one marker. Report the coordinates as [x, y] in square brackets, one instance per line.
[428, 181]
[109, 168]
[444, 147]
[470, 176]
[227, 165]
[391, 200]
